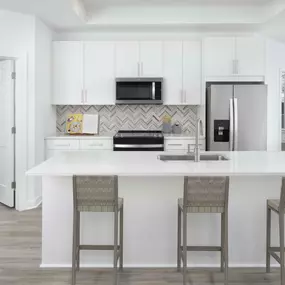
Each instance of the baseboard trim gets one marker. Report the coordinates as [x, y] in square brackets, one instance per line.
[43, 265]
[33, 204]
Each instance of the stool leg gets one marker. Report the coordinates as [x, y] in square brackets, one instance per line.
[184, 247]
[122, 238]
[281, 233]
[222, 241]
[268, 238]
[226, 247]
[115, 246]
[74, 242]
[78, 241]
[179, 240]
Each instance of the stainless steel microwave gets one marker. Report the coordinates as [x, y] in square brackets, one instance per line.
[139, 90]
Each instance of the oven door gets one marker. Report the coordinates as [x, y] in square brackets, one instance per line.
[139, 91]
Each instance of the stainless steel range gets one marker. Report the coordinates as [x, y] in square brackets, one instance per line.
[139, 141]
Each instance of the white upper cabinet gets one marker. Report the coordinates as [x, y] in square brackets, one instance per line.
[127, 59]
[151, 59]
[67, 73]
[219, 56]
[234, 57]
[172, 73]
[192, 72]
[99, 73]
[250, 56]
[182, 72]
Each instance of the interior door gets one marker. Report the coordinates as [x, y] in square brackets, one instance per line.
[7, 139]
[251, 110]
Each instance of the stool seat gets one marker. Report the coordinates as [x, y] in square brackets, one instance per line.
[202, 207]
[274, 204]
[99, 206]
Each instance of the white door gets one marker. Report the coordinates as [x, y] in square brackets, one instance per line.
[151, 59]
[99, 73]
[7, 143]
[250, 55]
[219, 56]
[127, 59]
[172, 73]
[67, 73]
[192, 73]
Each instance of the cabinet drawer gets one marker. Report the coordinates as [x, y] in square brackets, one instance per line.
[64, 144]
[96, 144]
[175, 145]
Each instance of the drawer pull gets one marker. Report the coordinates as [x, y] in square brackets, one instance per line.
[96, 144]
[175, 144]
[62, 144]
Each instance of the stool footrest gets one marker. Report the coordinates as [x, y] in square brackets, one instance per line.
[202, 248]
[98, 247]
[274, 249]
[275, 256]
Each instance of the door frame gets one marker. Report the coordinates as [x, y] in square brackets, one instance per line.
[21, 121]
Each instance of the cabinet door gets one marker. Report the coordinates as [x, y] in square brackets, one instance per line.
[67, 73]
[250, 55]
[219, 56]
[151, 59]
[192, 72]
[172, 73]
[99, 73]
[127, 59]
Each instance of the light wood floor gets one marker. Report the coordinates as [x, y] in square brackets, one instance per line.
[20, 242]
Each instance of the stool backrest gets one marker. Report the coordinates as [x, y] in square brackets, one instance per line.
[206, 191]
[89, 190]
[282, 195]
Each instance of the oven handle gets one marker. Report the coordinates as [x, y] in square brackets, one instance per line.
[138, 145]
[153, 90]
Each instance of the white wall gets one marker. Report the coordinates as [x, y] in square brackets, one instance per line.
[274, 61]
[45, 116]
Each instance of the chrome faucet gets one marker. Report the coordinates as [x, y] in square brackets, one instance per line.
[197, 138]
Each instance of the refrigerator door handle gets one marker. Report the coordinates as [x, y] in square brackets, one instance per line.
[231, 125]
[235, 124]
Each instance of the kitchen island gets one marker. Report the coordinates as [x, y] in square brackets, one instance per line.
[150, 188]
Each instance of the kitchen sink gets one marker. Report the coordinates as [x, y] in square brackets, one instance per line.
[191, 157]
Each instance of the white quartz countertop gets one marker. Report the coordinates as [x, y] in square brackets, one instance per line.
[147, 164]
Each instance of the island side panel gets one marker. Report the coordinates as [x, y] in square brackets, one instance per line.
[150, 227]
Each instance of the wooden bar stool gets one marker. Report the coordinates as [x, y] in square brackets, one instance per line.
[277, 206]
[203, 195]
[96, 194]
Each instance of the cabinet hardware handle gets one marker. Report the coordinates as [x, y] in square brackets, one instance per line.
[175, 144]
[82, 96]
[62, 144]
[141, 68]
[185, 97]
[138, 69]
[96, 144]
[237, 65]
[85, 96]
[181, 95]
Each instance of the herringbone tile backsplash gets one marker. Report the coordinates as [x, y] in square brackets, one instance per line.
[132, 117]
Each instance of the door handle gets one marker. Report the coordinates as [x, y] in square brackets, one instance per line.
[235, 124]
[231, 125]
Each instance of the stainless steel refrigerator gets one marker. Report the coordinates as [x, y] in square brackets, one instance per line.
[236, 117]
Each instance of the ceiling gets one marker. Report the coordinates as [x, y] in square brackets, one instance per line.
[69, 15]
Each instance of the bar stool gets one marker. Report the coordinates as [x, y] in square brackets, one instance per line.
[278, 206]
[203, 195]
[96, 194]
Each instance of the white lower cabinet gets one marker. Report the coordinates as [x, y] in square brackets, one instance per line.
[174, 144]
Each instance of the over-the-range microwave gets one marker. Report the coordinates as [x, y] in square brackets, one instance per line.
[139, 90]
